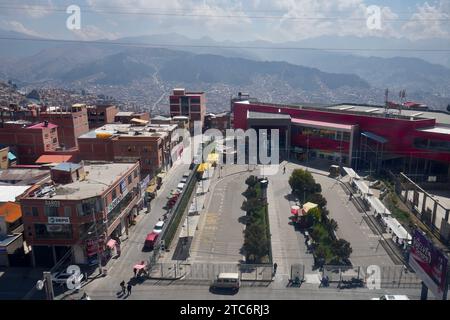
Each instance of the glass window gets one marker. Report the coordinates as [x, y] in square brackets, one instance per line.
[114, 194]
[27, 211]
[35, 211]
[130, 179]
[135, 173]
[51, 211]
[67, 211]
[195, 100]
[54, 231]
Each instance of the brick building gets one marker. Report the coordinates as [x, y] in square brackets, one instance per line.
[151, 145]
[83, 209]
[100, 115]
[190, 104]
[28, 141]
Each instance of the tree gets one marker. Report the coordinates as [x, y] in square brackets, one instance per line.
[251, 204]
[342, 249]
[331, 226]
[302, 183]
[255, 243]
[250, 192]
[251, 181]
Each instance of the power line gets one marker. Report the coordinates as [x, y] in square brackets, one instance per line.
[162, 45]
[183, 14]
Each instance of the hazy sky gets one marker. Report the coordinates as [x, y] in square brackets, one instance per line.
[280, 20]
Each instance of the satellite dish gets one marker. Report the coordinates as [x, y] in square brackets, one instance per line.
[40, 285]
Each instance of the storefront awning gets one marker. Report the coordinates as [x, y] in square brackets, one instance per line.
[151, 189]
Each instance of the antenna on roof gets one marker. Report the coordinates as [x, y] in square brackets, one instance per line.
[386, 99]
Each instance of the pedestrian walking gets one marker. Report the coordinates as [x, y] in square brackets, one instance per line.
[129, 289]
[275, 266]
[135, 272]
[122, 285]
[284, 169]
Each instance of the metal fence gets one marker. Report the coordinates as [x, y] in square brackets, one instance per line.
[389, 276]
[209, 271]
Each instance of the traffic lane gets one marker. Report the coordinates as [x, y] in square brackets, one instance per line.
[122, 268]
[202, 292]
[221, 235]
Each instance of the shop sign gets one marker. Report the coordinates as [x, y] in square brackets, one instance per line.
[52, 203]
[54, 228]
[58, 220]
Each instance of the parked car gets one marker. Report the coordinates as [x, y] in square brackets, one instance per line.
[158, 227]
[150, 240]
[186, 174]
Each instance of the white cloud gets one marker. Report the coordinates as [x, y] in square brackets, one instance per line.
[428, 22]
[91, 32]
[29, 8]
[17, 26]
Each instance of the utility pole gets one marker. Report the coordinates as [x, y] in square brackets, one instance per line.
[48, 285]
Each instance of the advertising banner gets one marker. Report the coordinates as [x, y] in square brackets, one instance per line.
[429, 263]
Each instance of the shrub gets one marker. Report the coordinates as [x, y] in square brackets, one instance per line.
[251, 181]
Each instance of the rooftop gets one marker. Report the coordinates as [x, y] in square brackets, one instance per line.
[99, 178]
[124, 114]
[42, 125]
[67, 166]
[23, 176]
[117, 129]
[322, 124]
[9, 193]
[53, 158]
[441, 117]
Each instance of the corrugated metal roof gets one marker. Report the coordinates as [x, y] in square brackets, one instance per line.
[53, 158]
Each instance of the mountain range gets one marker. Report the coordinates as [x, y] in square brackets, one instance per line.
[173, 59]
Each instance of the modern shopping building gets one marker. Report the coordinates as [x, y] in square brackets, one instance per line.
[362, 136]
[81, 210]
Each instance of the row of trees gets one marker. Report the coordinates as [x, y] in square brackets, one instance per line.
[256, 234]
[327, 248]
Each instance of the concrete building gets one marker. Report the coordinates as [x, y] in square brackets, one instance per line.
[28, 141]
[99, 115]
[83, 210]
[190, 104]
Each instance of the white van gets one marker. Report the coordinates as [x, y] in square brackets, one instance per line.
[227, 281]
[392, 297]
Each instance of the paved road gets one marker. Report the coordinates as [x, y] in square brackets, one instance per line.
[220, 235]
[166, 291]
[351, 226]
[122, 268]
[288, 245]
